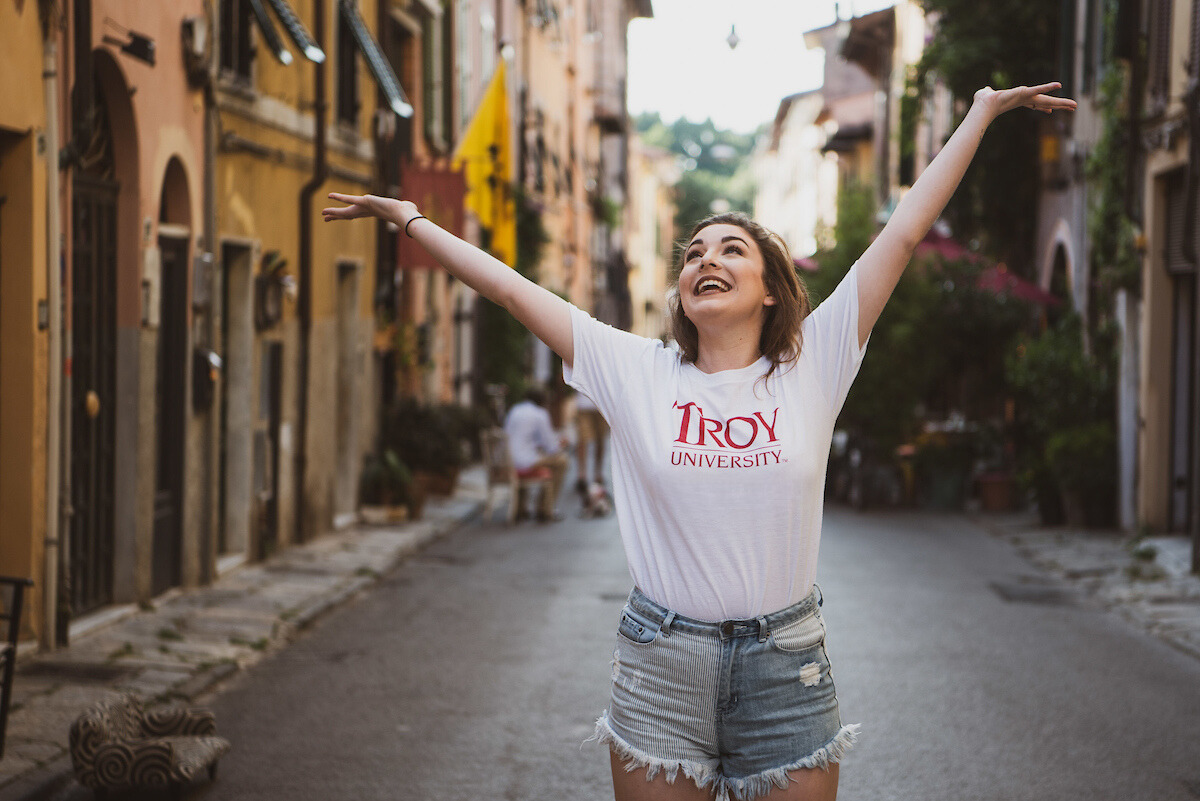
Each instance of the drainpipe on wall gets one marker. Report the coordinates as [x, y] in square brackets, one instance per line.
[54, 395]
[320, 174]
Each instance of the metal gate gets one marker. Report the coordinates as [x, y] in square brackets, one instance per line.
[93, 392]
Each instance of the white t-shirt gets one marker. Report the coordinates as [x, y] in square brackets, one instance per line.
[584, 404]
[718, 479]
[530, 434]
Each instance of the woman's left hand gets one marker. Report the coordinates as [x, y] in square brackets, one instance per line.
[999, 101]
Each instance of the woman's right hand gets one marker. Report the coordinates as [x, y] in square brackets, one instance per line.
[385, 208]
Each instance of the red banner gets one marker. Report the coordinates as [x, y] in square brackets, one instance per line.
[438, 192]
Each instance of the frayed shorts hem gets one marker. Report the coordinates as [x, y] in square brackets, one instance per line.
[725, 788]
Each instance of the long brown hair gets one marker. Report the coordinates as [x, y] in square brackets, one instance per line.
[780, 338]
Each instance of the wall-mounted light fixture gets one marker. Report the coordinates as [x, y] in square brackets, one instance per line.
[137, 45]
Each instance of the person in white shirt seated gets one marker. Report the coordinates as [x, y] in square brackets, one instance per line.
[534, 447]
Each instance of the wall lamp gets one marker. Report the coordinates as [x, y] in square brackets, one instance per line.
[138, 46]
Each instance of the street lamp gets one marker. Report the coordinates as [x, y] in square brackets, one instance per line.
[732, 39]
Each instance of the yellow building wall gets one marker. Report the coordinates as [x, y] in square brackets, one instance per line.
[560, 66]
[22, 285]
[258, 197]
[22, 363]
[21, 89]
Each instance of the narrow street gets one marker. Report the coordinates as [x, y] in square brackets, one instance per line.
[475, 671]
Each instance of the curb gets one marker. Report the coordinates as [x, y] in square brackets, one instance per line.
[1079, 578]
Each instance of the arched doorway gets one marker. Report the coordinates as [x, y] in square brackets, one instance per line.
[95, 215]
[170, 390]
[1060, 286]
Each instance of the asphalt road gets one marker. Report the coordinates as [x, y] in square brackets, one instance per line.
[476, 670]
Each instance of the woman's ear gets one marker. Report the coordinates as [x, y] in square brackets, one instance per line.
[769, 300]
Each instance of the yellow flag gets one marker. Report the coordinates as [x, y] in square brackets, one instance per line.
[483, 153]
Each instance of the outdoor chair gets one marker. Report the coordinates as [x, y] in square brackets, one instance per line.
[10, 616]
[500, 472]
[116, 745]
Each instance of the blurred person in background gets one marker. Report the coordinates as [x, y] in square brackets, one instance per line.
[534, 446]
[590, 429]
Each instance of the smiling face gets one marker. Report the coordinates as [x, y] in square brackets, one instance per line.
[735, 275]
[722, 276]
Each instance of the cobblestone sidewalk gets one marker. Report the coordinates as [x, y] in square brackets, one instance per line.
[191, 640]
[1147, 580]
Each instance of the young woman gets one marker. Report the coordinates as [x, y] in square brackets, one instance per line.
[719, 449]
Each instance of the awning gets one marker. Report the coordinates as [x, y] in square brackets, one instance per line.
[847, 137]
[270, 35]
[936, 243]
[296, 30]
[994, 278]
[294, 27]
[379, 66]
[1001, 281]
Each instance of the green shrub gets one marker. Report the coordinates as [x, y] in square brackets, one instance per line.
[1066, 417]
[385, 480]
[1083, 457]
[467, 424]
[423, 436]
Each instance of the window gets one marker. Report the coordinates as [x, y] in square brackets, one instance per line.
[356, 36]
[1091, 45]
[487, 47]
[1066, 47]
[448, 62]
[1194, 49]
[433, 101]
[463, 63]
[1159, 57]
[348, 100]
[237, 51]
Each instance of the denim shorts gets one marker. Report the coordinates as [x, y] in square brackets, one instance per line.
[733, 705]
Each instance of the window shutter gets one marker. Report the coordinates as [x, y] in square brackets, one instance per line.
[1176, 193]
[1193, 64]
[1160, 51]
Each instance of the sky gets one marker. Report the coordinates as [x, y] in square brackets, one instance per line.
[681, 66]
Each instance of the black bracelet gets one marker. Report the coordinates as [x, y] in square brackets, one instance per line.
[410, 222]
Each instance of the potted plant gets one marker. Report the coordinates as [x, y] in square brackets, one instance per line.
[467, 424]
[1083, 457]
[388, 483]
[424, 437]
[1064, 401]
[943, 467]
[996, 480]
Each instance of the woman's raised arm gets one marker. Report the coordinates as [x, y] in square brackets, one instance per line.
[541, 311]
[880, 267]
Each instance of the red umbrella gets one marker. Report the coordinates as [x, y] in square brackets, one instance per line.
[949, 248]
[1000, 280]
[995, 278]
